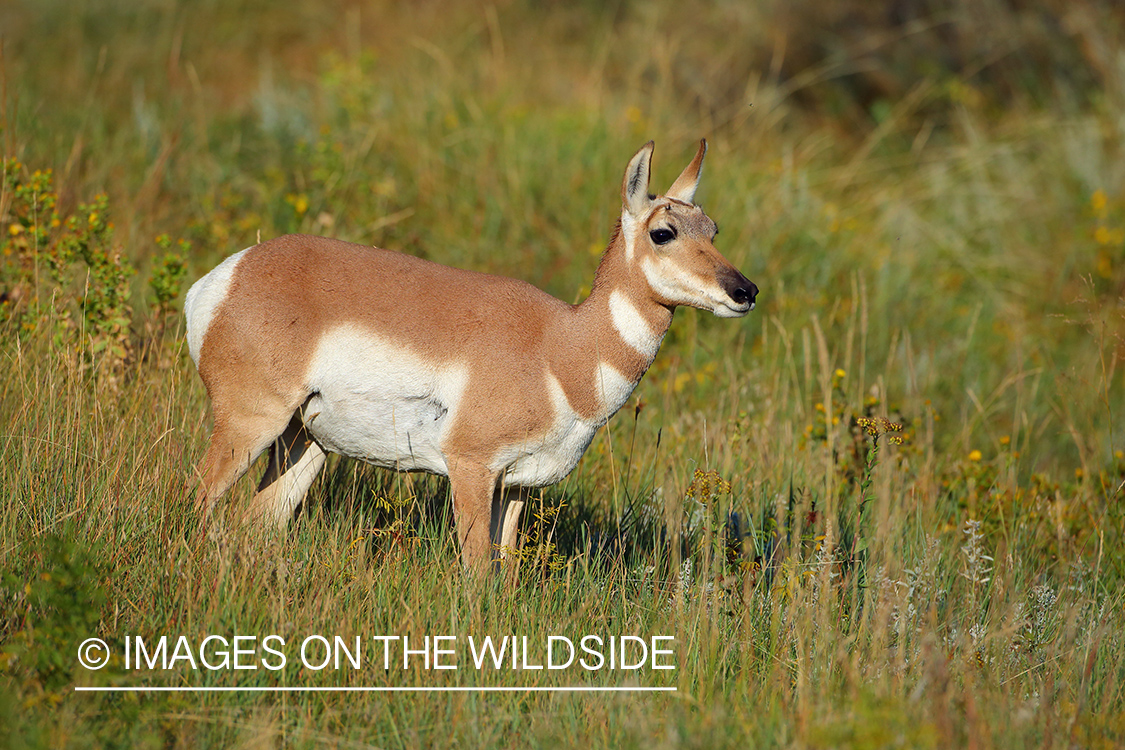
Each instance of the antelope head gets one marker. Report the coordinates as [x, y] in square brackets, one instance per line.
[671, 241]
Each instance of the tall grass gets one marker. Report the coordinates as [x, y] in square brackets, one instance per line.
[882, 511]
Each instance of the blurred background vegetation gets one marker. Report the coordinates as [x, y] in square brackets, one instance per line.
[930, 194]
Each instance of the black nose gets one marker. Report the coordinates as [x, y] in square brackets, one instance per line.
[739, 288]
[746, 291]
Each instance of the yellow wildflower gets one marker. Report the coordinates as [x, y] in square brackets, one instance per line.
[300, 203]
[1098, 202]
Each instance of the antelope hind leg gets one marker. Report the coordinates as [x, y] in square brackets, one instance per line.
[295, 460]
[235, 443]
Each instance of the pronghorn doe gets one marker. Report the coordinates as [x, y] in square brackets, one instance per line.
[310, 345]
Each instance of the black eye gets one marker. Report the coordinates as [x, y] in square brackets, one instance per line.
[662, 236]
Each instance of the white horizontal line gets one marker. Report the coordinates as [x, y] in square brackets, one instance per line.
[317, 689]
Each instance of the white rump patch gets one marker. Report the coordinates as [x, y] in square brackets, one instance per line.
[632, 326]
[204, 298]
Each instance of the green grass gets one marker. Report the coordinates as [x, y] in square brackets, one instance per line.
[949, 257]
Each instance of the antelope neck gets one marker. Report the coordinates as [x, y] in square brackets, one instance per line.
[627, 321]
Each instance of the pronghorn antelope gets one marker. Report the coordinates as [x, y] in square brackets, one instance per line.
[310, 345]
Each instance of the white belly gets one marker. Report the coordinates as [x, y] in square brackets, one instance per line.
[380, 403]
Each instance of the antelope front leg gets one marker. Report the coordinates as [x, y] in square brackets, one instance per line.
[473, 486]
[507, 505]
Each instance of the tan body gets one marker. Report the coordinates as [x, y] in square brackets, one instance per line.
[309, 345]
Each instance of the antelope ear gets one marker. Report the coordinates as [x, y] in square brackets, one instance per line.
[683, 189]
[634, 190]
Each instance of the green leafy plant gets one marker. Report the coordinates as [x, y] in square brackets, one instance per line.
[54, 598]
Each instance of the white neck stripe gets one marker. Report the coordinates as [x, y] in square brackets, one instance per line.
[632, 326]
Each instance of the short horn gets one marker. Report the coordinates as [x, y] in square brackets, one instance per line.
[683, 189]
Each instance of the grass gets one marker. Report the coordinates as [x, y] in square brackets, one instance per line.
[947, 259]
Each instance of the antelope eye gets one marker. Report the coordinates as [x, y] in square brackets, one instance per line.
[662, 236]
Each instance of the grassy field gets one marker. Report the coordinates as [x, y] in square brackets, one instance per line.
[884, 510]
